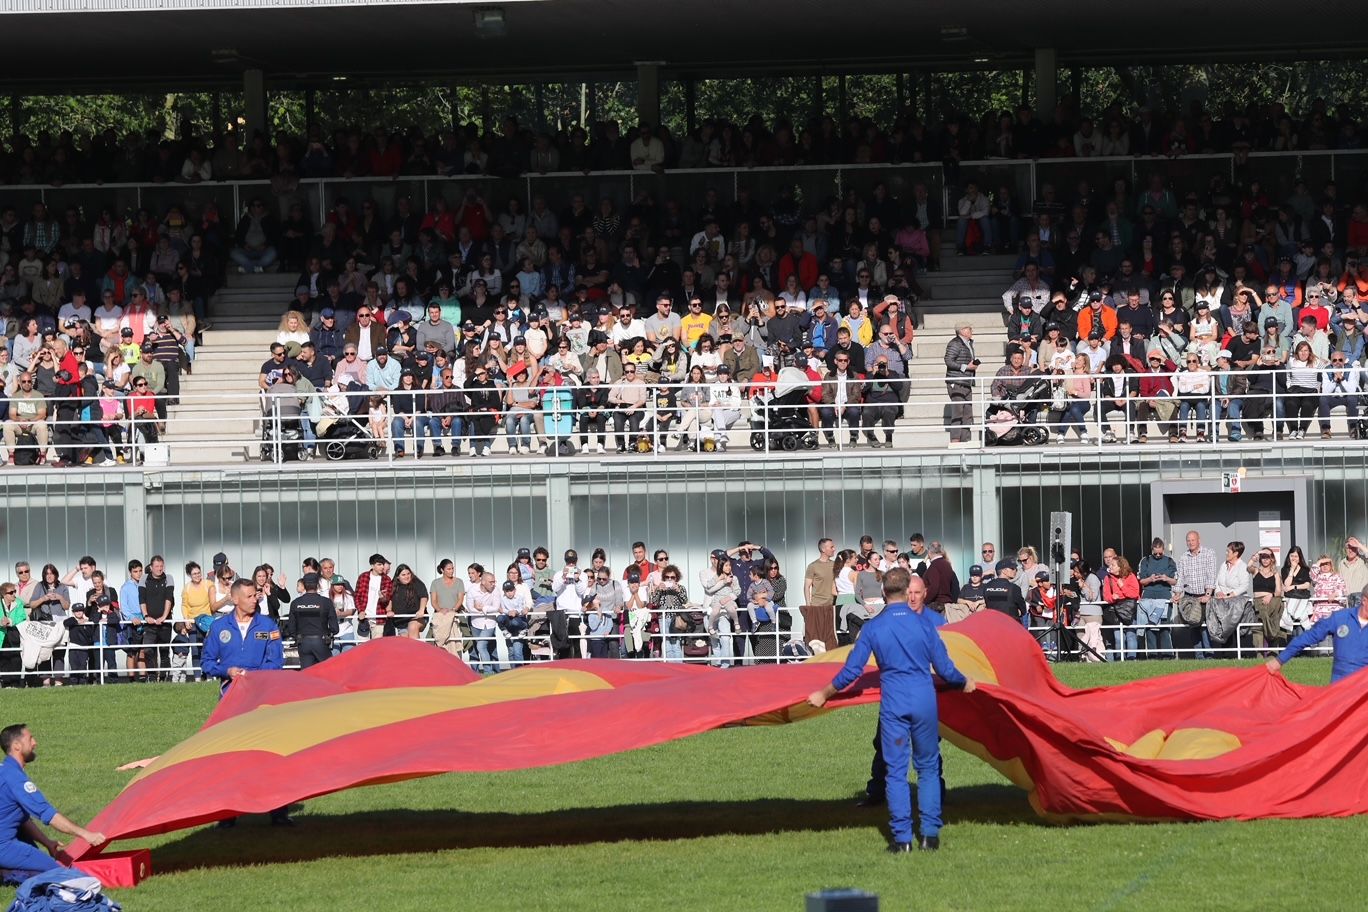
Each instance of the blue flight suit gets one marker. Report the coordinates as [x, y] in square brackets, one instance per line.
[225, 647]
[907, 648]
[878, 769]
[261, 650]
[1350, 643]
[19, 800]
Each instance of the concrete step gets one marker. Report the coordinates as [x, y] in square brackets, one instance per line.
[284, 280]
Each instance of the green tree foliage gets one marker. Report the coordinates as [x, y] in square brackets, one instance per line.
[562, 105]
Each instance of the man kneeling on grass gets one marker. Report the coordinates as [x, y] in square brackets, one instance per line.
[907, 647]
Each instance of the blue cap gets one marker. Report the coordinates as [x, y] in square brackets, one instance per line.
[327, 312]
[1005, 565]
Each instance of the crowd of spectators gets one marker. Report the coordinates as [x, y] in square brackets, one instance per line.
[743, 609]
[662, 320]
[512, 148]
[1219, 312]
[658, 325]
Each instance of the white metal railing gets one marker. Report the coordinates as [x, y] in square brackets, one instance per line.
[1024, 176]
[711, 639]
[1037, 408]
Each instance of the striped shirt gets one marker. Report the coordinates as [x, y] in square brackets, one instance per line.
[1197, 572]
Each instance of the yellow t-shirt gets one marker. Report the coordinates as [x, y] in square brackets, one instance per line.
[694, 327]
[196, 600]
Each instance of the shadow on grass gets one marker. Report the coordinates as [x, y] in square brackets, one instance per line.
[397, 832]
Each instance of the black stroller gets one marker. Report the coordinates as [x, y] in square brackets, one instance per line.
[1010, 422]
[347, 434]
[783, 415]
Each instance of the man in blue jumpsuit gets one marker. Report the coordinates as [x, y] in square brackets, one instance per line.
[19, 801]
[907, 647]
[1349, 626]
[878, 770]
[240, 642]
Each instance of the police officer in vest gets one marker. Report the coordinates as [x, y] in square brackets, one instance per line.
[1002, 593]
[239, 643]
[312, 623]
[20, 801]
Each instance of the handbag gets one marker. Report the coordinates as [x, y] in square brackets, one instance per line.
[696, 647]
[1125, 611]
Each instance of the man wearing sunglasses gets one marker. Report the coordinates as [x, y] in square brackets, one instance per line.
[367, 334]
[1340, 382]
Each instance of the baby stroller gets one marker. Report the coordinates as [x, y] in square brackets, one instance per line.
[783, 416]
[344, 432]
[283, 441]
[347, 437]
[1005, 421]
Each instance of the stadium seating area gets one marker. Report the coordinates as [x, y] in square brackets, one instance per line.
[146, 625]
[654, 322]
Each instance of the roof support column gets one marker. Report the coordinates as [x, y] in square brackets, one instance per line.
[1046, 75]
[254, 91]
[648, 92]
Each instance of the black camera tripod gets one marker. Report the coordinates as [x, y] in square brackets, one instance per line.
[1069, 647]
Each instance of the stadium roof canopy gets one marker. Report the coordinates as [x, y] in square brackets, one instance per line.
[108, 45]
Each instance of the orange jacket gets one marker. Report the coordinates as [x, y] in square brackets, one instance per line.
[1085, 322]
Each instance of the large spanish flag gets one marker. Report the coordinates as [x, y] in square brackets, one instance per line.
[1226, 743]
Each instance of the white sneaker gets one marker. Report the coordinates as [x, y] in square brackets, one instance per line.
[106, 462]
[242, 270]
[1085, 440]
[1109, 437]
[258, 270]
[488, 451]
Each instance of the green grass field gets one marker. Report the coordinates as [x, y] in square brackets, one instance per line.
[747, 819]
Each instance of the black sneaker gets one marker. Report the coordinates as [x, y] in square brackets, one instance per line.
[440, 451]
[929, 844]
[898, 848]
[870, 801]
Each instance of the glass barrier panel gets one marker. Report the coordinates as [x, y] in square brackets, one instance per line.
[122, 202]
[384, 192]
[1278, 173]
[1102, 176]
[1351, 174]
[1184, 174]
[559, 189]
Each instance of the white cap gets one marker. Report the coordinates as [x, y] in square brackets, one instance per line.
[1224, 353]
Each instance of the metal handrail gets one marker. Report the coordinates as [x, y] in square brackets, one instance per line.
[762, 424]
[935, 172]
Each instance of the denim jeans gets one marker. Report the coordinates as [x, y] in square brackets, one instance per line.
[400, 433]
[518, 427]
[486, 652]
[517, 653]
[1230, 413]
[457, 431]
[849, 417]
[252, 259]
[723, 651]
[1197, 408]
[1074, 415]
[1149, 615]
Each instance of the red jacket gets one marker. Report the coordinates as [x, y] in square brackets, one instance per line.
[1115, 590]
[806, 268]
[1152, 384]
[363, 594]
